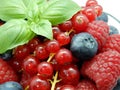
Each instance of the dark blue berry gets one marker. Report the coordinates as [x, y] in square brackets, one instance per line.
[7, 55]
[117, 87]
[103, 17]
[113, 30]
[83, 46]
[11, 85]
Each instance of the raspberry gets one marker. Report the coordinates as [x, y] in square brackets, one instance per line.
[86, 85]
[113, 43]
[103, 69]
[100, 31]
[6, 72]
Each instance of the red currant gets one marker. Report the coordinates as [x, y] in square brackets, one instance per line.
[56, 31]
[80, 22]
[63, 38]
[67, 87]
[91, 3]
[66, 26]
[63, 56]
[41, 52]
[45, 70]
[39, 84]
[30, 64]
[98, 9]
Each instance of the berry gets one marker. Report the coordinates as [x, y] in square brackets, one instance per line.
[79, 22]
[6, 73]
[67, 87]
[7, 55]
[103, 17]
[56, 31]
[100, 31]
[69, 74]
[39, 84]
[103, 69]
[112, 43]
[66, 26]
[98, 9]
[83, 46]
[45, 70]
[113, 30]
[91, 2]
[63, 56]
[11, 85]
[86, 85]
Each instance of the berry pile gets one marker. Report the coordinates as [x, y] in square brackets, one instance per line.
[84, 55]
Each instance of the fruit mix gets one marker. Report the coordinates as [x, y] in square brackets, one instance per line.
[84, 53]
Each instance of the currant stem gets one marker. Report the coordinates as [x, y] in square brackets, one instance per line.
[54, 81]
[113, 17]
[27, 88]
[50, 57]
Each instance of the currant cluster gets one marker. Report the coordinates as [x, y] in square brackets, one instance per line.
[44, 64]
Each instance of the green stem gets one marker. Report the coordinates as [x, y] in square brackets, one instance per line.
[113, 17]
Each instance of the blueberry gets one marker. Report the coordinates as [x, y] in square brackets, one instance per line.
[7, 55]
[113, 30]
[103, 17]
[117, 87]
[83, 46]
[11, 85]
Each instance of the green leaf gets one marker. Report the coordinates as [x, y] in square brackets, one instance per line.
[58, 11]
[14, 33]
[10, 9]
[43, 28]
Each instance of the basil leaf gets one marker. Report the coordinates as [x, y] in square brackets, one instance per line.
[43, 28]
[10, 9]
[14, 33]
[41, 2]
[58, 11]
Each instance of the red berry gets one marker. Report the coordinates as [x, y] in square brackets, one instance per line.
[56, 31]
[98, 9]
[63, 56]
[112, 43]
[91, 2]
[45, 70]
[39, 84]
[79, 22]
[69, 74]
[6, 72]
[90, 13]
[67, 87]
[41, 52]
[86, 85]
[21, 52]
[103, 69]
[30, 64]
[52, 46]
[63, 38]
[66, 26]
[100, 31]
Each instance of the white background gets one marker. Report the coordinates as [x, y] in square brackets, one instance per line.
[109, 6]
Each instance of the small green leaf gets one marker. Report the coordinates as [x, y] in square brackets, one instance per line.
[14, 33]
[43, 28]
[10, 9]
[58, 11]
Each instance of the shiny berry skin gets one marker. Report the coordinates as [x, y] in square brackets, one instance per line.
[39, 84]
[41, 52]
[45, 70]
[21, 52]
[30, 64]
[67, 87]
[91, 2]
[52, 46]
[79, 22]
[69, 74]
[33, 43]
[90, 13]
[63, 38]
[98, 9]
[63, 56]
[66, 26]
[55, 31]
